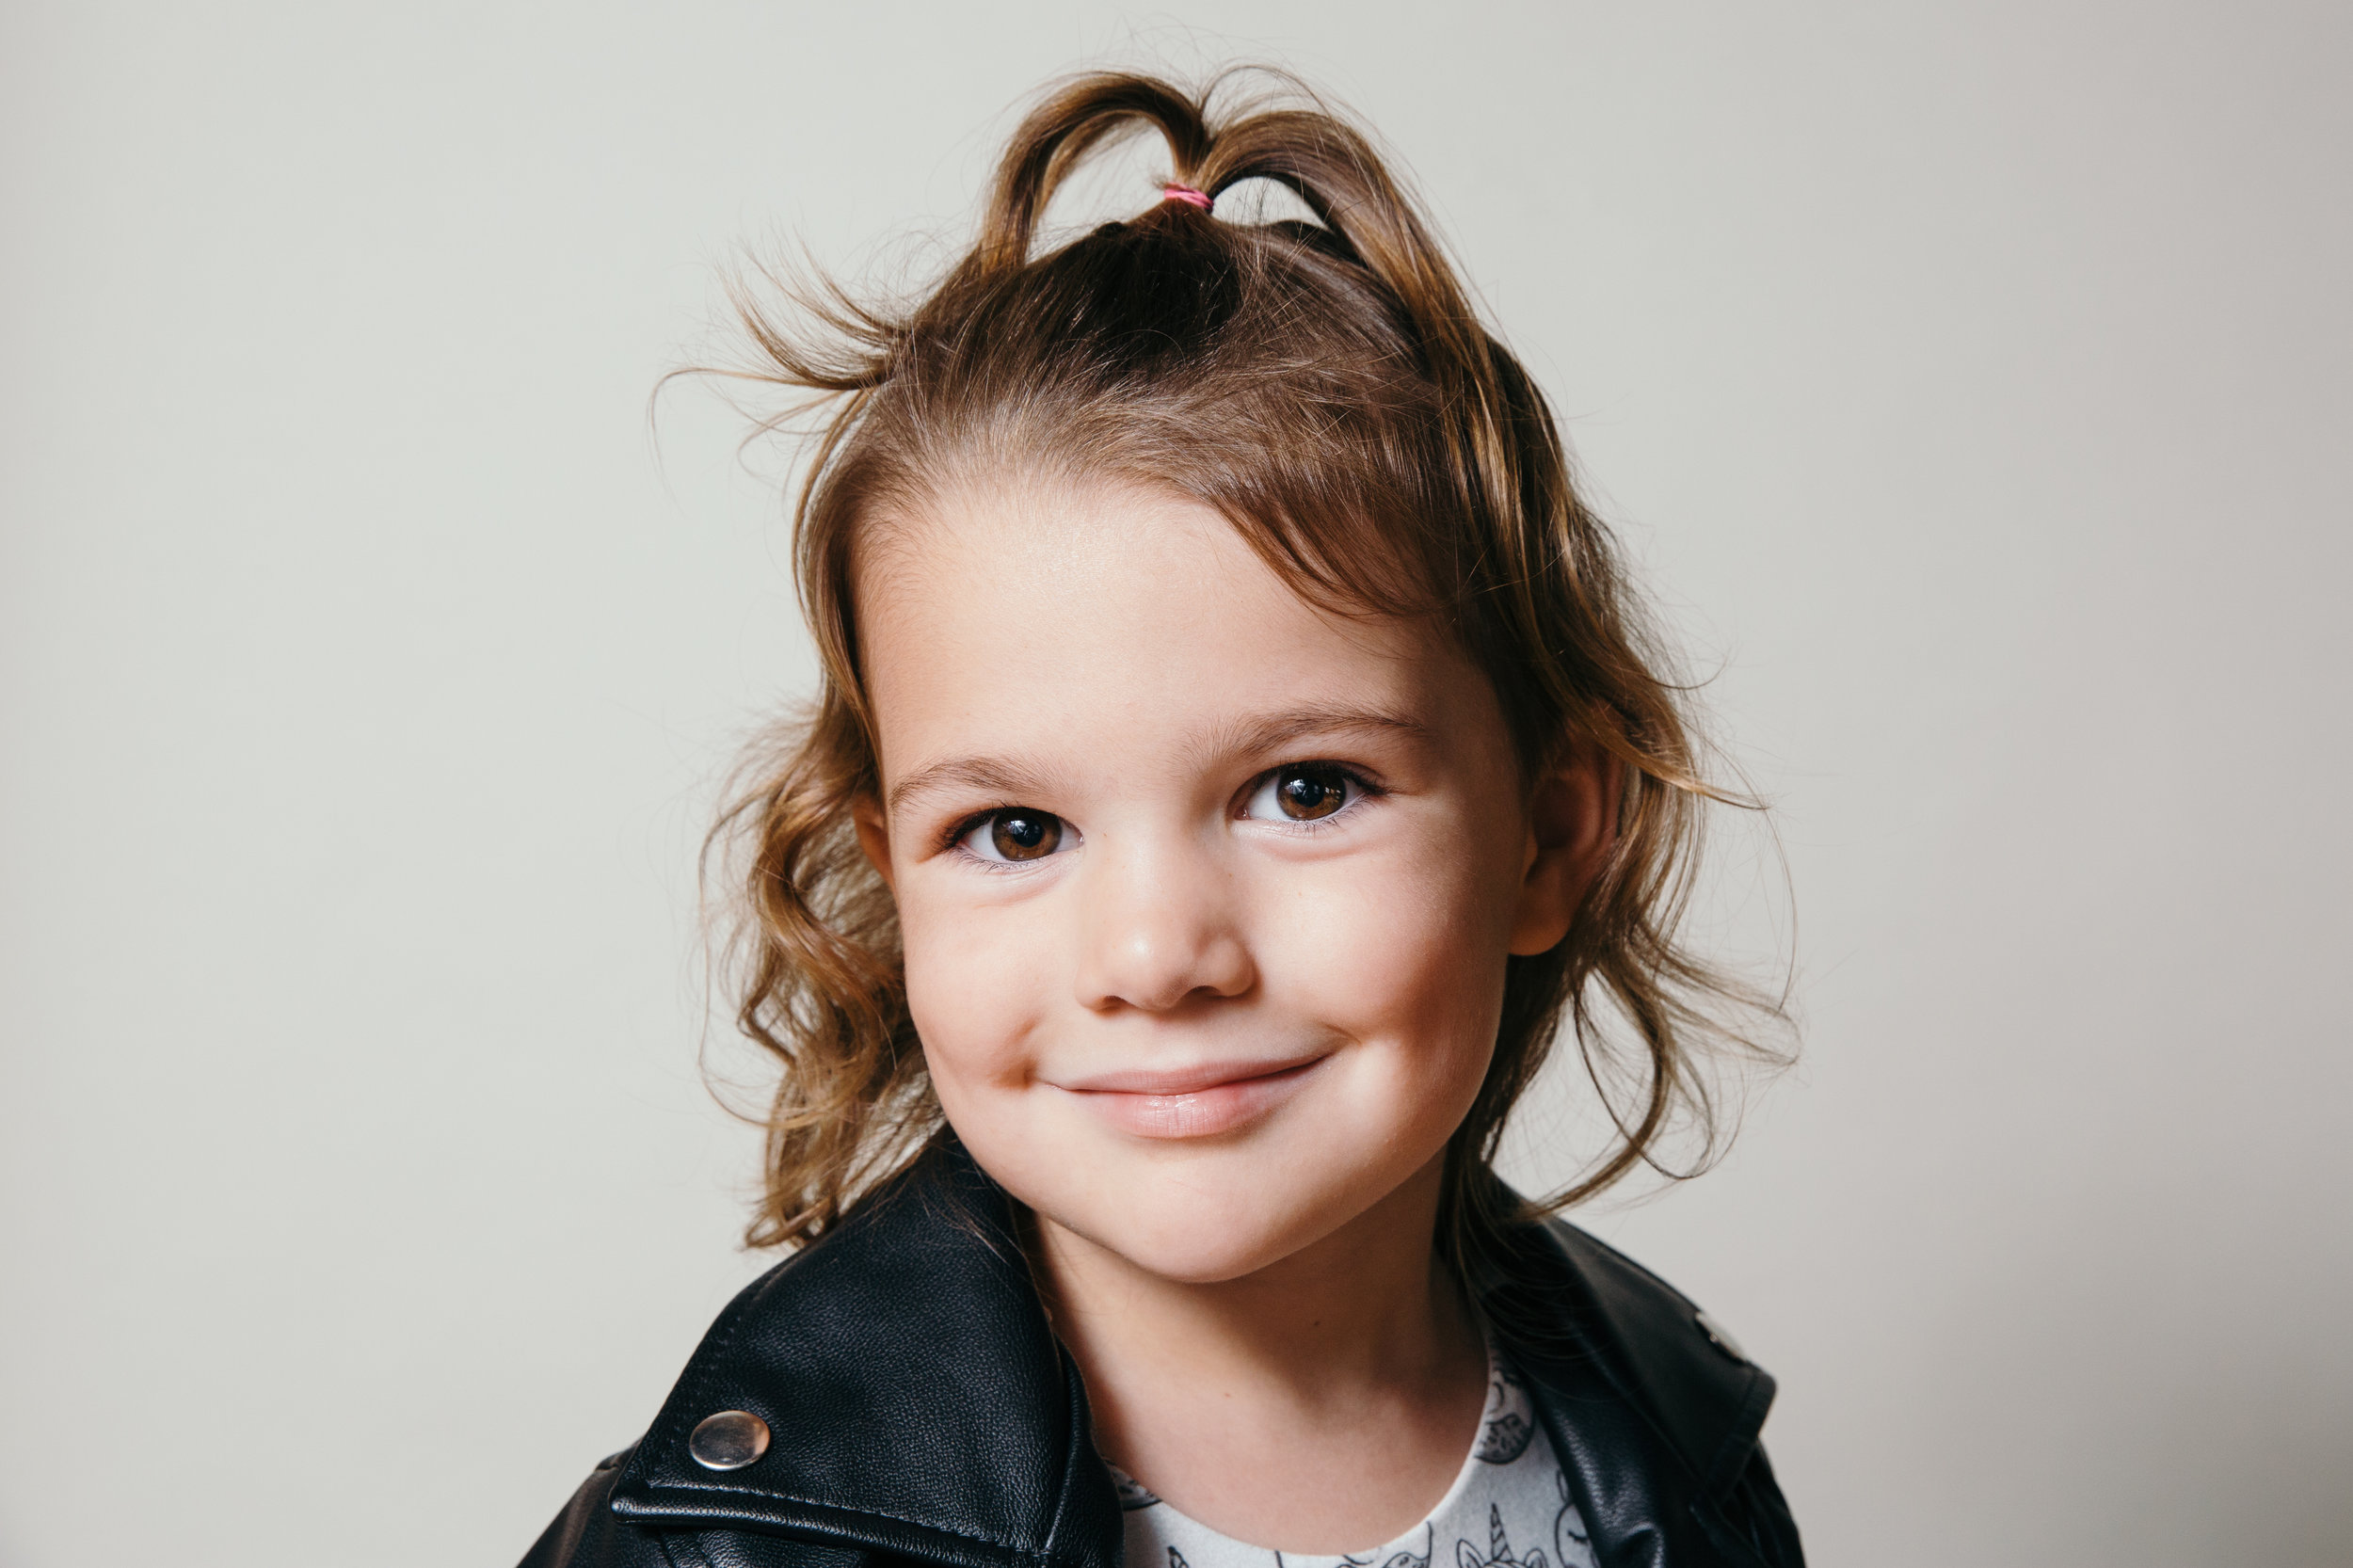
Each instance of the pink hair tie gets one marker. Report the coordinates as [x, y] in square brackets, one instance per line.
[1186, 193]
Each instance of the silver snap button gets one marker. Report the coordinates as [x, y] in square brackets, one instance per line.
[728, 1441]
[1718, 1337]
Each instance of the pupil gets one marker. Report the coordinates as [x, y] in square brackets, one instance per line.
[1307, 794]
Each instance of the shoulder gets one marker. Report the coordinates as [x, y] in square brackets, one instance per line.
[892, 1391]
[588, 1535]
[585, 1534]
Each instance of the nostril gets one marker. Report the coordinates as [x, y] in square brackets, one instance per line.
[1161, 982]
[1154, 930]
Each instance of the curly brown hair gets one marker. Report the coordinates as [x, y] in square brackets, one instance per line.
[1328, 388]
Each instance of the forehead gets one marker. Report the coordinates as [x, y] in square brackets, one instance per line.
[1056, 615]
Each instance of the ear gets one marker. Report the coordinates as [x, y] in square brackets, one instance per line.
[1571, 826]
[873, 838]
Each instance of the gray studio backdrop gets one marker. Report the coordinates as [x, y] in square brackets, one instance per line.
[1970, 380]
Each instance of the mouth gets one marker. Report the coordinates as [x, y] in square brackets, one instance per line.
[1200, 1101]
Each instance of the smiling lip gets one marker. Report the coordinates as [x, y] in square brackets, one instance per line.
[1192, 1102]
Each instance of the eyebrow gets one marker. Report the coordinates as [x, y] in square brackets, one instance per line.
[997, 776]
[1009, 778]
[1277, 731]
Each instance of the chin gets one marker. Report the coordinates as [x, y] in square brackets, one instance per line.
[1204, 1232]
[1201, 1251]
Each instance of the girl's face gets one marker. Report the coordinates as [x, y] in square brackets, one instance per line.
[1206, 894]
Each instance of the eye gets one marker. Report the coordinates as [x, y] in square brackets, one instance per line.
[1303, 792]
[1014, 835]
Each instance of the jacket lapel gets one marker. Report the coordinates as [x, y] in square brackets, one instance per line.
[916, 1399]
[1654, 1416]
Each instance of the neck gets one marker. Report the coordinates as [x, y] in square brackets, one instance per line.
[1360, 1330]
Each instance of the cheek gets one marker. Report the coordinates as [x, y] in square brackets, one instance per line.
[977, 989]
[1407, 951]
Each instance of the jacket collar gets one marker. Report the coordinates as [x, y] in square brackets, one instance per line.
[918, 1402]
[1652, 1413]
[1616, 1324]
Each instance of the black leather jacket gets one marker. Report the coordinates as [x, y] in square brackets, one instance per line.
[921, 1412]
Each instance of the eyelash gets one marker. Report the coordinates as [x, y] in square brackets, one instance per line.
[952, 840]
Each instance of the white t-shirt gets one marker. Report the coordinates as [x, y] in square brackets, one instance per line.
[1508, 1508]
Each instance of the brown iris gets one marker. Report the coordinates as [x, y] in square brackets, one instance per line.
[1310, 793]
[1025, 835]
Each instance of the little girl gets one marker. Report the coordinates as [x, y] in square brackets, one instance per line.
[1237, 759]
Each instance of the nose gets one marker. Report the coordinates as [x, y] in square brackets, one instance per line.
[1158, 928]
